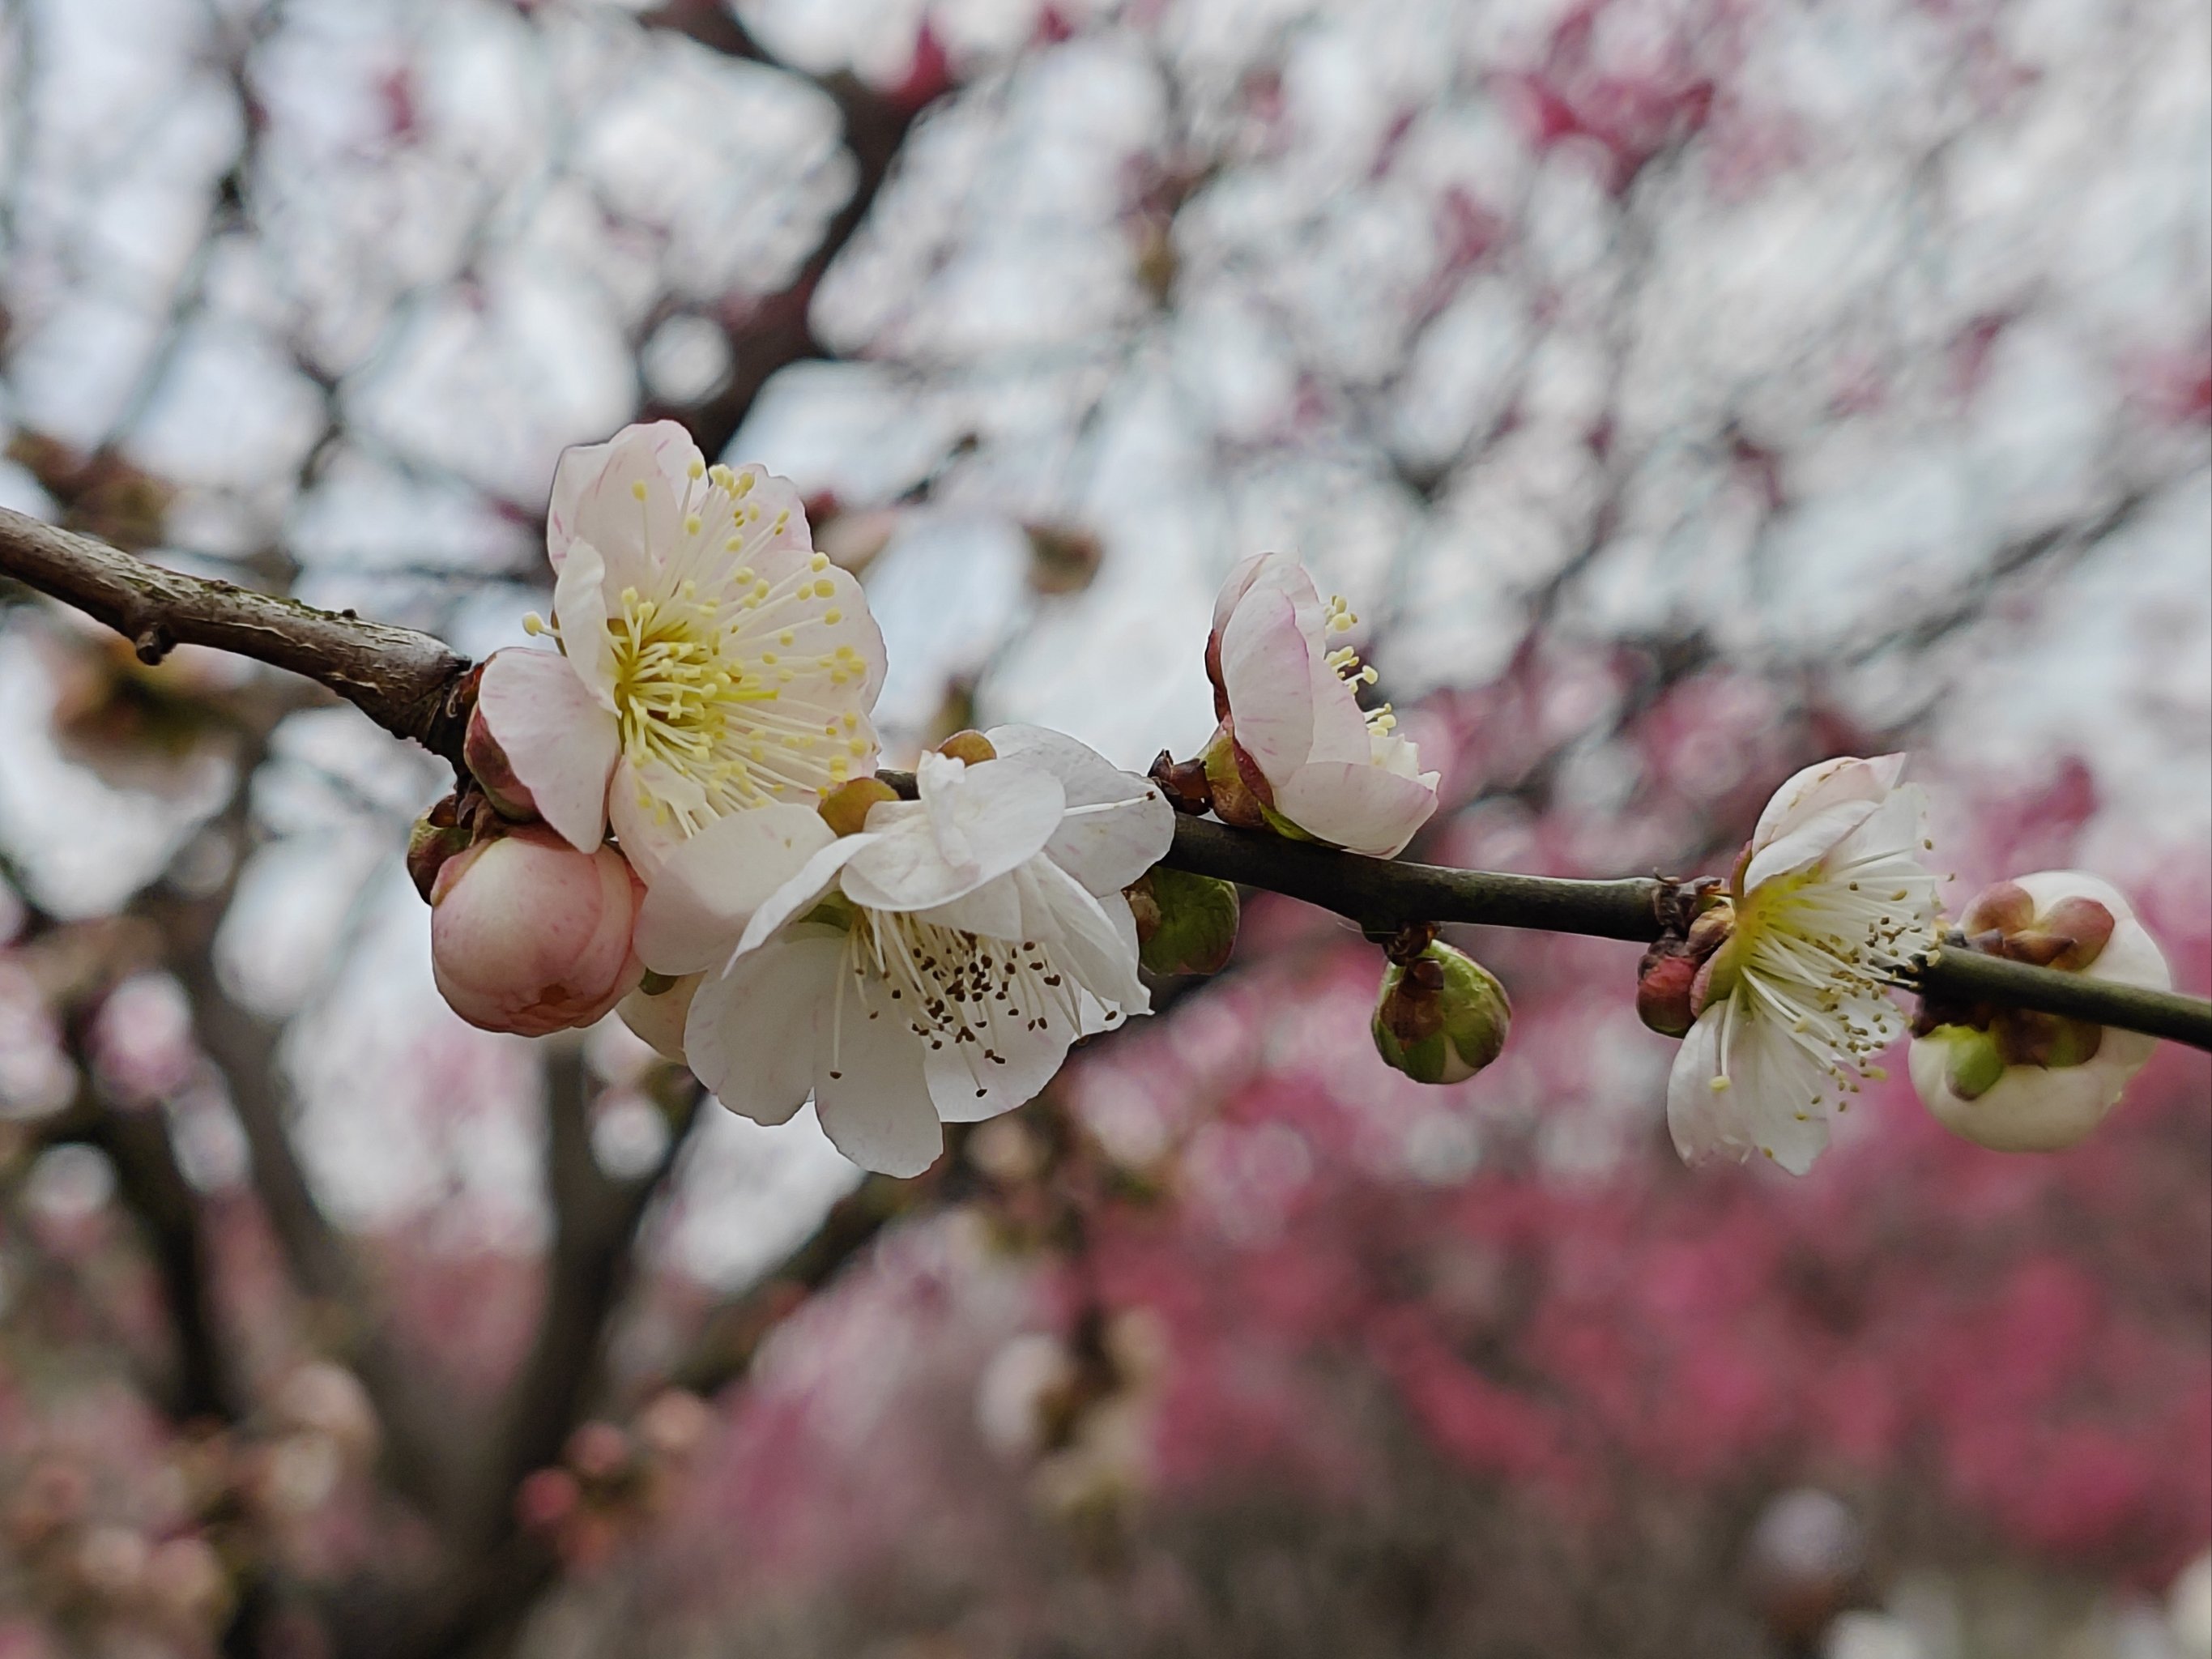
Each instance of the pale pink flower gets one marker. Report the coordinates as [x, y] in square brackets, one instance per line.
[1829, 899]
[529, 935]
[2024, 1086]
[1316, 762]
[933, 967]
[710, 659]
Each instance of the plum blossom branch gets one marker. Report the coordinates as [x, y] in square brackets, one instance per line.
[1383, 896]
[414, 686]
[408, 683]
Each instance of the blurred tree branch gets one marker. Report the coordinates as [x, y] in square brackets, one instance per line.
[774, 331]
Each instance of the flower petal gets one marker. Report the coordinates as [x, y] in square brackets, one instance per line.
[872, 1096]
[637, 810]
[1269, 573]
[1362, 808]
[977, 824]
[660, 1020]
[1079, 932]
[707, 889]
[1012, 1062]
[992, 911]
[1828, 783]
[1772, 1097]
[560, 742]
[1267, 670]
[595, 498]
[1809, 839]
[801, 893]
[580, 608]
[2029, 1108]
[1117, 826]
[753, 1032]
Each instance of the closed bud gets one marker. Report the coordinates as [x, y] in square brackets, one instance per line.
[1442, 1017]
[846, 808]
[1233, 798]
[2016, 1080]
[972, 747]
[529, 935]
[1185, 924]
[1675, 978]
[1662, 993]
[434, 837]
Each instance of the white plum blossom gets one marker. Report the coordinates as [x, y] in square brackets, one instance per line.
[710, 658]
[1292, 727]
[2021, 1082]
[933, 967]
[1828, 898]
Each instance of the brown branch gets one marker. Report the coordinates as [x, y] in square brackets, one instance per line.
[152, 1188]
[724, 1350]
[408, 683]
[776, 331]
[323, 1265]
[596, 1220]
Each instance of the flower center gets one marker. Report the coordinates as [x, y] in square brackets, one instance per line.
[953, 987]
[1337, 619]
[1816, 951]
[732, 679]
[673, 685]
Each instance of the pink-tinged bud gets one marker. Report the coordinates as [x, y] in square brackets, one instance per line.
[2002, 908]
[529, 935]
[489, 764]
[1662, 994]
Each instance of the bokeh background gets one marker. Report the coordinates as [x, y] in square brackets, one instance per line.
[1681, 389]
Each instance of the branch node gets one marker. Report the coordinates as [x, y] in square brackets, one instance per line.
[153, 643]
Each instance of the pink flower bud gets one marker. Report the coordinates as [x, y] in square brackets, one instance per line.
[530, 936]
[1662, 993]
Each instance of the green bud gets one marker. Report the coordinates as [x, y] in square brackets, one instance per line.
[434, 837]
[1232, 798]
[1441, 1017]
[1185, 924]
[1972, 1065]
